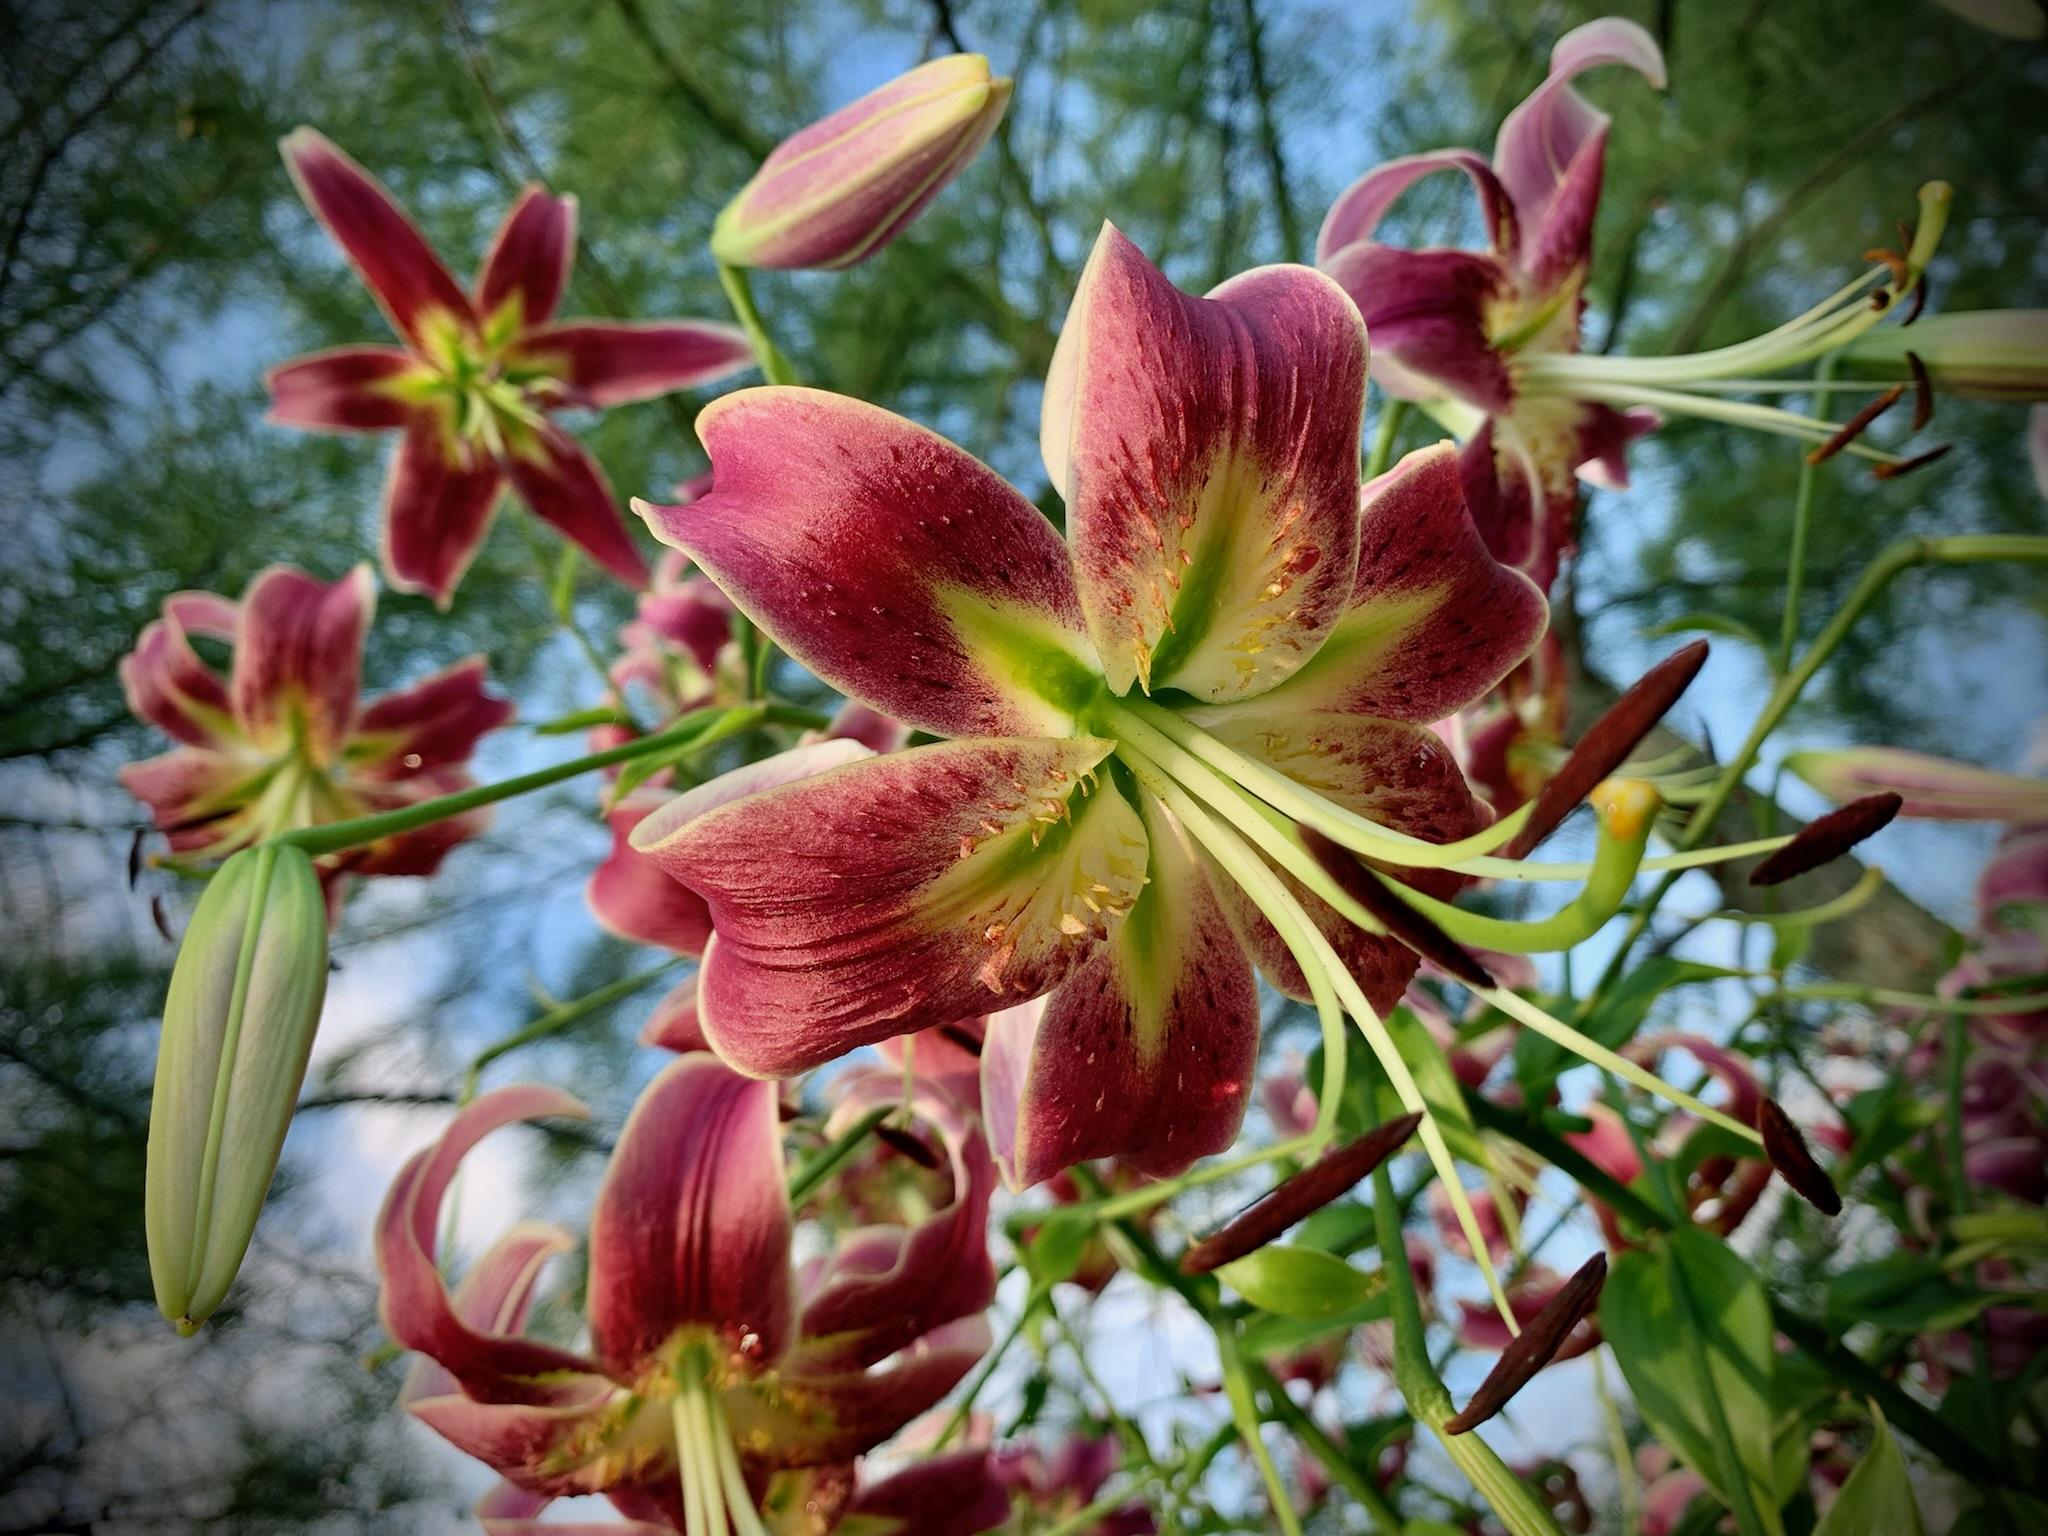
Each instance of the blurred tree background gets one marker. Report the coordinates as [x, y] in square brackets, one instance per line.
[154, 259]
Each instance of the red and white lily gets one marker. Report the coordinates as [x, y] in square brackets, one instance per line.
[1489, 341]
[283, 741]
[720, 1385]
[480, 374]
[1230, 650]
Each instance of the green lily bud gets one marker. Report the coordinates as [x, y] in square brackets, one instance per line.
[244, 1000]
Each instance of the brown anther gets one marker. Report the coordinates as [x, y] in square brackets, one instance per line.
[135, 856]
[911, 1145]
[1913, 310]
[1608, 741]
[786, 1111]
[157, 916]
[1824, 840]
[1907, 466]
[1291, 1199]
[1855, 426]
[1794, 1160]
[961, 1037]
[1894, 263]
[1534, 1347]
[1880, 300]
[1923, 392]
[1403, 922]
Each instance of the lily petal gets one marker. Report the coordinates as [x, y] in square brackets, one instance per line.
[403, 274]
[415, 1305]
[438, 500]
[1426, 312]
[1211, 493]
[434, 723]
[1357, 213]
[1934, 788]
[493, 1297]
[564, 487]
[796, 1421]
[1145, 1053]
[527, 265]
[892, 564]
[345, 389]
[673, 1025]
[950, 1495]
[616, 362]
[1551, 149]
[167, 684]
[634, 897]
[420, 851]
[692, 1226]
[881, 897]
[298, 658]
[190, 792]
[1434, 622]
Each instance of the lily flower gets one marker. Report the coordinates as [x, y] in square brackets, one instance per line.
[1933, 788]
[283, 741]
[678, 647]
[713, 1366]
[1230, 649]
[1489, 341]
[480, 373]
[1048, 1489]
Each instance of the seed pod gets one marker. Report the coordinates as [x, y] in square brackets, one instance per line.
[1827, 838]
[1291, 1199]
[1534, 1347]
[1608, 741]
[836, 192]
[1794, 1160]
[244, 1001]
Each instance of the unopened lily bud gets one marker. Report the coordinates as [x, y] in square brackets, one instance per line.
[838, 191]
[1987, 354]
[244, 999]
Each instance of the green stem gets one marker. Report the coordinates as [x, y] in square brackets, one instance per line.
[1956, 1033]
[1345, 1473]
[700, 727]
[775, 366]
[1959, 549]
[1383, 438]
[1802, 516]
[560, 1017]
[824, 1163]
[1237, 1388]
[988, 1368]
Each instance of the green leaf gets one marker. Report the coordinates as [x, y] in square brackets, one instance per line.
[1877, 1500]
[1270, 1333]
[1883, 1119]
[1055, 1249]
[1613, 1022]
[1645, 1316]
[1902, 1293]
[1438, 1083]
[1303, 1283]
[562, 591]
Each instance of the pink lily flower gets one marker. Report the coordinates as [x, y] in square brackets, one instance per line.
[475, 385]
[678, 647]
[1222, 578]
[283, 740]
[1055, 1487]
[1454, 324]
[713, 1366]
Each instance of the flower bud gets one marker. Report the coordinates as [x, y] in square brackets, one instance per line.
[838, 191]
[1987, 354]
[244, 999]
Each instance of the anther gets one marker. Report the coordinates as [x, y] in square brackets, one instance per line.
[1402, 921]
[1534, 1347]
[1293, 1198]
[1907, 466]
[910, 1145]
[1923, 392]
[1826, 839]
[1855, 426]
[1794, 1160]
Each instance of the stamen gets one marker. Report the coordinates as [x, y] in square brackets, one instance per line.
[1828, 838]
[1609, 741]
[909, 1144]
[1401, 920]
[1854, 427]
[1923, 391]
[1907, 466]
[1292, 1199]
[1539, 1342]
[1794, 1160]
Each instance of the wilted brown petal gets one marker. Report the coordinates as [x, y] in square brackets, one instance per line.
[1609, 741]
[1290, 1200]
[1794, 1160]
[1822, 841]
[1533, 1348]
